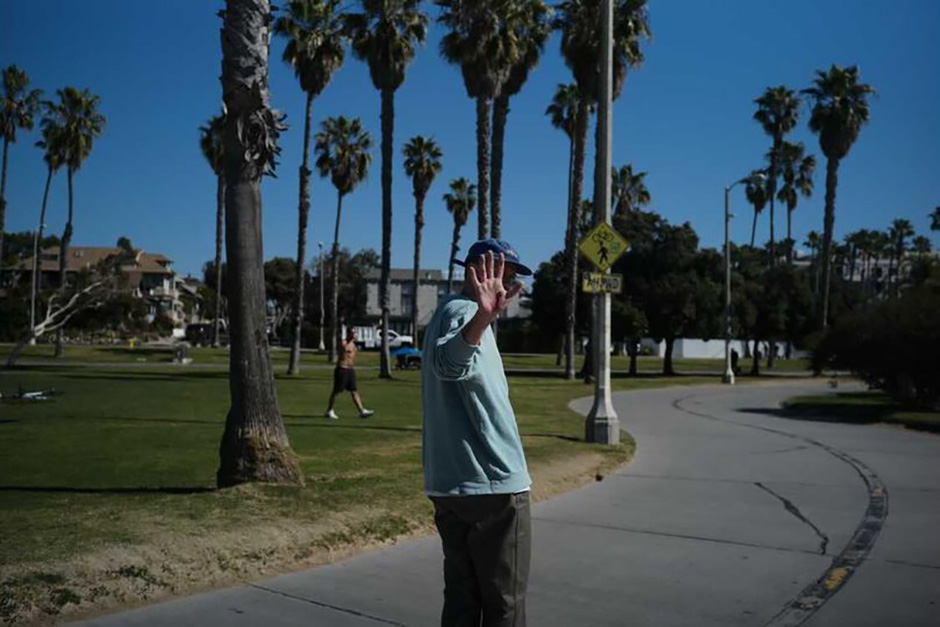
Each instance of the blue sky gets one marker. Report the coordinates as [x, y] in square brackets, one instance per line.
[684, 116]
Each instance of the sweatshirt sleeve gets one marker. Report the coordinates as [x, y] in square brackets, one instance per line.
[453, 357]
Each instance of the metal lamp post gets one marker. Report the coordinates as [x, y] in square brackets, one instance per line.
[728, 377]
[322, 346]
[602, 425]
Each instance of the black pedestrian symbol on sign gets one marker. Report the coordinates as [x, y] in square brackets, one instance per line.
[602, 252]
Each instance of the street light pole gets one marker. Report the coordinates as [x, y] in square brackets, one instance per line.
[322, 346]
[602, 425]
[728, 377]
[729, 372]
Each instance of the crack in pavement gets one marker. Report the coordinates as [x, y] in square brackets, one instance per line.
[337, 608]
[681, 536]
[808, 601]
[793, 509]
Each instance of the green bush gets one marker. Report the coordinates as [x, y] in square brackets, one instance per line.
[893, 345]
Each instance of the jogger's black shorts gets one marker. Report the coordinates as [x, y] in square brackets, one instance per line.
[344, 380]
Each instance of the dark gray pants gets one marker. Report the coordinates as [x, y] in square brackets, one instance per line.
[487, 543]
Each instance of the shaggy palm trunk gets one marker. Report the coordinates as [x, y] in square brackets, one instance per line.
[483, 165]
[388, 125]
[500, 111]
[571, 253]
[790, 241]
[3, 195]
[34, 286]
[754, 227]
[63, 258]
[254, 445]
[334, 279]
[304, 212]
[755, 355]
[829, 219]
[772, 188]
[419, 224]
[453, 255]
[219, 230]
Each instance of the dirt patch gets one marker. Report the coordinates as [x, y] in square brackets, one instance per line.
[121, 577]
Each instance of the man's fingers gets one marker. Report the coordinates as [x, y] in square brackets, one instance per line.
[489, 264]
[500, 264]
[474, 281]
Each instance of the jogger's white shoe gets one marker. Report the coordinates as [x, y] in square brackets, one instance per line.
[365, 413]
[331, 415]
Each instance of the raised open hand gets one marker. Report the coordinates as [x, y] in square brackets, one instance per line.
[486, 282]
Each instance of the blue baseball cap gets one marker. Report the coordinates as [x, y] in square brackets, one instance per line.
[497, 246]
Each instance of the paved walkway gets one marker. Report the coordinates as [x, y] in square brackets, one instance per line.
[730, 514]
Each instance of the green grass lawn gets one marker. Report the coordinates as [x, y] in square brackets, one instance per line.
[107, 492]
[202, 356]
[861, 408]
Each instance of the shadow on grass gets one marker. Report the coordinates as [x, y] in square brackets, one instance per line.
[333, 425]
[559, 436]
[858, 409]
[73, 490]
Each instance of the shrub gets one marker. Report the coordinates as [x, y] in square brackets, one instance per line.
[893, 345]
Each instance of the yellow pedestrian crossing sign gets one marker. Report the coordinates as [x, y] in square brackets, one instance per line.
[603, 246]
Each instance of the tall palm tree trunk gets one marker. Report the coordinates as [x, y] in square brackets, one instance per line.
[772, 191]
[419, 224]
[34, 285]
[483, 165]
[219, 231]
[63, 258]
[754, 228]
[254, 446]
[304, 212]
[790, 241]
[388, 125]
[500, 111]
[453, 254]
[570, 246]
[3, 195]
[829, 219]
[334, 279]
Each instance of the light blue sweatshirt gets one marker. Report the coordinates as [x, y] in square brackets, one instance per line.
[471, 441]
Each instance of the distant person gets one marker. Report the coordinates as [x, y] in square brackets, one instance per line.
[344, 377]
[475, 471]
[734, 361]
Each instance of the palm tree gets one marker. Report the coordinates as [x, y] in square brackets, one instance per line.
[628, 190]
[460, 201]
[80, 123]
[921, 245]
[210, 142]
[52, 155]
[563, 111]
[777, 112]
[342, 148]
[530, 21]
[254, 445]
[796, 170]
[384, 35]
[315, 38]
[812, 242]
[900, 230]
[840, 110]
[756, 192]
[484, 40]
[935, 219]
[17, 110]
[422, 164]
[579, 21]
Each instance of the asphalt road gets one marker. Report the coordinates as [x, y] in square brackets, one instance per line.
[730, 514]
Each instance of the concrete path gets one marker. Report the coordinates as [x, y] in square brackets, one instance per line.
[730, 514]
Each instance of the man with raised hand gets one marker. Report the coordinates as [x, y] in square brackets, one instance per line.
[474, 467]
